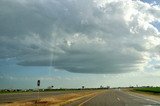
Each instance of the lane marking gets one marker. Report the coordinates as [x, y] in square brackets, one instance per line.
[118, 99]
[87, 100]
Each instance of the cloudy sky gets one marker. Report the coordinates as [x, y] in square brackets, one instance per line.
[70, 43]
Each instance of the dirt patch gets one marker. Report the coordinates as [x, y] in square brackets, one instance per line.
[58, 100]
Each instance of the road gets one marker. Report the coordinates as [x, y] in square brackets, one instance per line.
[8, 98]
[115, 98]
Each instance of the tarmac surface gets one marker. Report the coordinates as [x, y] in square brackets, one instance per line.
[116, 98]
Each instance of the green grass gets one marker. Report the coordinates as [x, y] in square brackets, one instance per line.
[149, 89]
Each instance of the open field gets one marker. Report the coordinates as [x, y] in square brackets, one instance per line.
[148, 89]
[59, 98]
[19, 91]
[110, 97]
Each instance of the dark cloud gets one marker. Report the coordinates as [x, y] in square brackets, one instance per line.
[83, 36]
[157, 66]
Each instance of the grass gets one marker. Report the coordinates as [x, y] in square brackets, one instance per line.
[56, 100]
[45, 90]
[149, 89]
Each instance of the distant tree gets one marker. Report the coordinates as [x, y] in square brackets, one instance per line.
[82, 87]
[101, 86]
[50, 87]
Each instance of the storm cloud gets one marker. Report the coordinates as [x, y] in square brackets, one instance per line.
[83, 36]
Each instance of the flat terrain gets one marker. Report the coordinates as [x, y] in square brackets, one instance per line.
[13, 97]
[116, 98]
[149, 89]
[112, 97]
[54, 98]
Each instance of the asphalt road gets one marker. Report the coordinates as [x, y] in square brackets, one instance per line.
[115, 98]
[8, 98]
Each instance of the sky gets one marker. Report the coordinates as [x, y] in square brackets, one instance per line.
[74, 43]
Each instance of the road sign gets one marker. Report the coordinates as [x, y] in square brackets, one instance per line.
[38, 83]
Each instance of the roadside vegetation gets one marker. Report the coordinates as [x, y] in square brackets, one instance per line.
[148, 89]
[4, 91]
[56, 100]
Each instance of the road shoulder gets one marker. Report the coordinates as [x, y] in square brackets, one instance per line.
[148, 95]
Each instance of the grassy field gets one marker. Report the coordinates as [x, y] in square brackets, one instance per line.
[46, 90]
[56, 100]
[149, 89]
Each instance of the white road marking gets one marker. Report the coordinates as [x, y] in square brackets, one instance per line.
[87, 100]
[118, 99]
